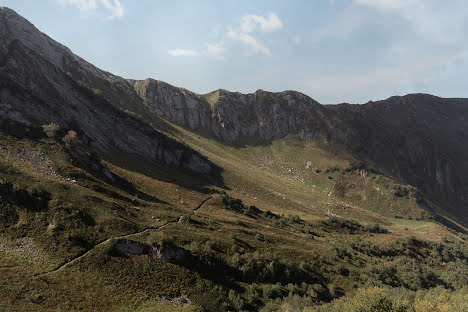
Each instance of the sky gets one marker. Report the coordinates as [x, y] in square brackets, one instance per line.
[332, 50]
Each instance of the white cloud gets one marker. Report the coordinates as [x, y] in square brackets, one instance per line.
[83, 5]
[248, 40]
[242, 33]
[216, 50]
[183, 52]
[252, 22]
[114, 8]
[89, 7]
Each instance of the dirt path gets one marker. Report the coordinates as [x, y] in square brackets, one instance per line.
[76, 259]
[202, 204]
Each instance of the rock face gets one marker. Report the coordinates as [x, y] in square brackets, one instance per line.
[131, 247]
[231, 116]
[171, 254]
[417, 138]
[41, 82]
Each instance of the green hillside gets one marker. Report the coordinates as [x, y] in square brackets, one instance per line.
[295, 225]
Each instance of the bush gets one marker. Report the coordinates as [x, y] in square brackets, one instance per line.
[341, 269]
[71, 139]
[51, 130]
[186, 219]
[370, 299]
[259, 237]
[236, 301]
[375, 228]
[349, 226]
[8, 215]
[293, 219]
[332, 169]
[355, 166]
[273, 291]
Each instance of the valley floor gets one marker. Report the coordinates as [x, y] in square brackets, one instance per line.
[296, 226]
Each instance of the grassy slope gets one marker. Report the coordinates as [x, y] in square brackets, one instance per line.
[272, 177]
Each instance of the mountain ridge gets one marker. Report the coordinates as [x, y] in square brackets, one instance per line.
[393, 133]
[175, 201]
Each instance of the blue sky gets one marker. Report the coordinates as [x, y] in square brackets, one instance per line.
[334, 51]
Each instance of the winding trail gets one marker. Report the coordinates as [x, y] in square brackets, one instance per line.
[202, 204]
[66, 264]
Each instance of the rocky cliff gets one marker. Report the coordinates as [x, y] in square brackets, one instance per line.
[417, 138]
[42, 81]
[231, 115]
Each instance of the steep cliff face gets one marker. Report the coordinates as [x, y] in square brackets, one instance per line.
[42, 82]
[231, 116]
[418, 138]
[174, 104]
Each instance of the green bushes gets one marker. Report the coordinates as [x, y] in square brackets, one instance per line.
[71, 139]
[235, 300]
[238, 206]
[341, 269]
[186, 219]
[272, 291]
[51, 130]
[8, 215]
[266, 267]
[383, 275]
[385, 299]
[348, 226]
[375, 228]
[67, 220]
[33, 197]
[352, 226]
[355, 166]
[332, 169]
[400, 191]
[414, 262]
[365, 300]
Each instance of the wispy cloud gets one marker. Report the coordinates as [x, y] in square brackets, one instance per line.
[247, 39]
[113, 8]
[248, 24]
[268, 23]
[216, 50]
[83, 5]
[255, 23]
[183, 52]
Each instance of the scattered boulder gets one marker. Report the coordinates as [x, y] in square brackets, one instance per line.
[171, 254]
[131, 247]
[167, 253]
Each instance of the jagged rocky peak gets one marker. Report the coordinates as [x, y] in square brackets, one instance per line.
[16, 28]
[42, 81]
[232, 115]
[17, 32]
